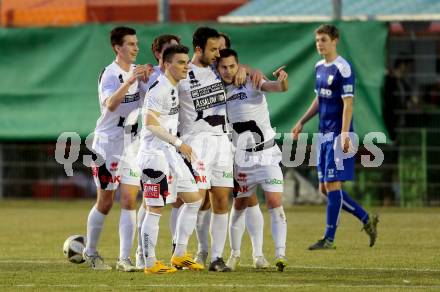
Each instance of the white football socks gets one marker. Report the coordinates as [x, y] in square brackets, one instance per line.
[186, 224]
[95, 221]
[202, 229]
[218, 230]
[173, 222]
[127, 229]
[150, 230]
[140, 220]
[255, 227]
[279, 230]
[237, 222]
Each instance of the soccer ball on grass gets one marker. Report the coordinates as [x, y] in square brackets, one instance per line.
[73, 248]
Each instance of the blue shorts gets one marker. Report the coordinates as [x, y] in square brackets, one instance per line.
[330, 168]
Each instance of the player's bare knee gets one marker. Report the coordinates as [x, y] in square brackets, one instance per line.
[104, 206]
[273, 199]
[241, 203]
[128, 196]
[206, 205]
[274, 202]
[253, 200]
[128, 201]
[219, 198]
[219, 204]
[128, 204]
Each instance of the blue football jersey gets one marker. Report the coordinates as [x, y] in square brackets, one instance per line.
[334, 81]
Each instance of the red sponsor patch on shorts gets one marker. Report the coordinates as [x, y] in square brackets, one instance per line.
[151, 191]
[200, 179]
[241, 189]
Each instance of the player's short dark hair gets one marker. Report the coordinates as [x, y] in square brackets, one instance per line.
[201, 36]
[118, 33]
[328, 29]
[169, 53]
[227, 39]
[225, 53]
[161, 40]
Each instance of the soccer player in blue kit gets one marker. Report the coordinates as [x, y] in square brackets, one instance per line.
[334, 88]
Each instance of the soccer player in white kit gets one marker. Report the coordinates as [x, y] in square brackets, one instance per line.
[203, 126]
[158, 46]
[119, 100]
[159, 158]
[257, 160]
[254, 217]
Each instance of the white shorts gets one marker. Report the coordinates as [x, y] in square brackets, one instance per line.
[130, 172]
[214, 165]
[268, 176]
[164, 174]
[106, 168]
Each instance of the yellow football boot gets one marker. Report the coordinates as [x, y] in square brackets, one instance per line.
[159, 268]
[186, 261]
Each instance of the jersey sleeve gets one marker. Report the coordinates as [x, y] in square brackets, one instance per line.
[143, 89]
[154, 101]
[348, 80]
[108, 84]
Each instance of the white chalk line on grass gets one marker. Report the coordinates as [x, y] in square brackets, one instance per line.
[293, 285]
[381, 269]
[297, 267]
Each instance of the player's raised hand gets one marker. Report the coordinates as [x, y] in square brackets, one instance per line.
[186, 150]
[280, 74]
[297, 129]
[137, 74]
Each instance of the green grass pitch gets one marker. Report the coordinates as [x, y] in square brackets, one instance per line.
[406, 255]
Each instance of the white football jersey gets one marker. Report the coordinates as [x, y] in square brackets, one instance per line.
[248, 115]
[124, 118]
[162, 98]
[203, 102]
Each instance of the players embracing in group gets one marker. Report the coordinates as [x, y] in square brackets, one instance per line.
[191, 110]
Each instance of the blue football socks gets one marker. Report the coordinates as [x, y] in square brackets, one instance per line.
[334, 202]
[354, 208]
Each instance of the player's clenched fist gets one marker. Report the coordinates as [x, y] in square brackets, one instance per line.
[137, 74]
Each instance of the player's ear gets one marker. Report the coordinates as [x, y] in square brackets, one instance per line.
[198, 50]
[114, 49]
[117, 48]
[157, 55]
